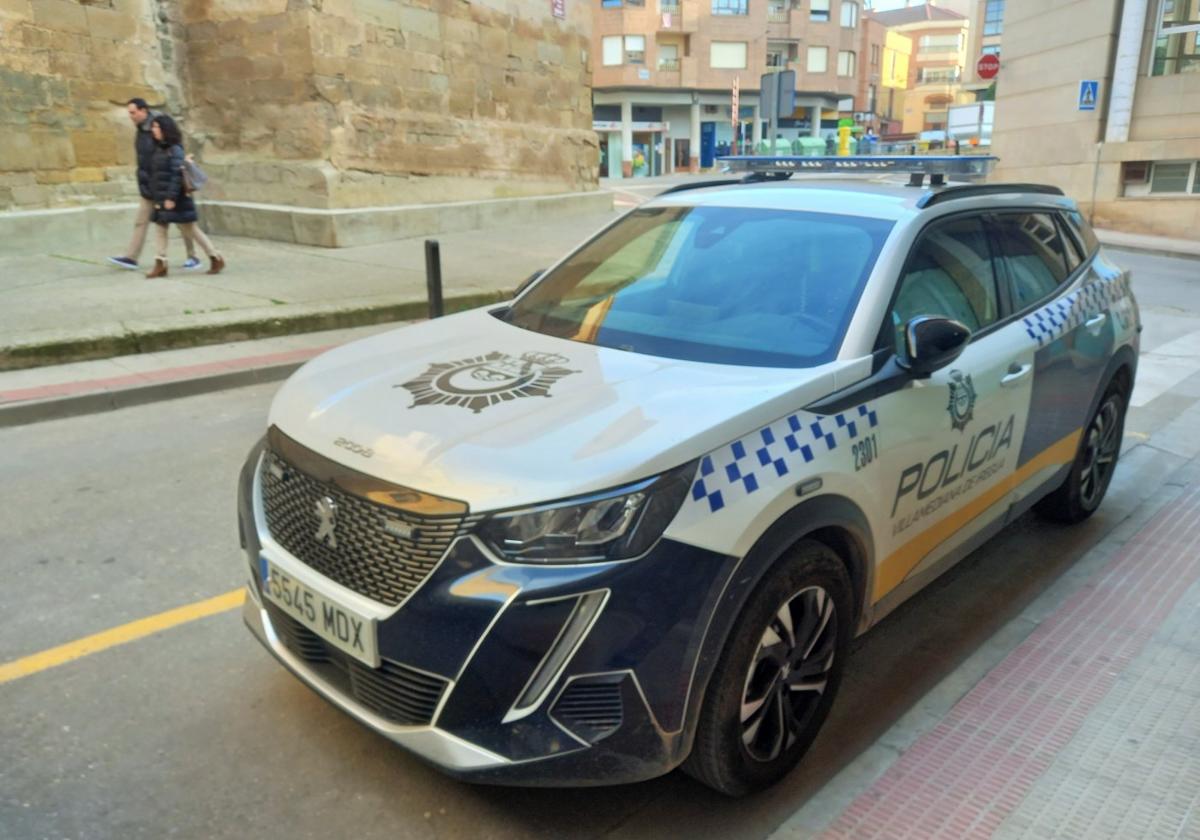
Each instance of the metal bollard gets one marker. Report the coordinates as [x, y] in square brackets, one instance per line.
[433, 278]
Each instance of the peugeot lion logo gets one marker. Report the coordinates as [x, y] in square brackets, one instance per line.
[326, 519]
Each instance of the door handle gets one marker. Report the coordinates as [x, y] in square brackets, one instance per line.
[1015, 374]
[1095, 321]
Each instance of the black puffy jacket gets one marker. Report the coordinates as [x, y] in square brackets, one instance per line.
[144, 146]
[166, 184]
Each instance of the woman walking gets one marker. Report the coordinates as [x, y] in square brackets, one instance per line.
[172, 203]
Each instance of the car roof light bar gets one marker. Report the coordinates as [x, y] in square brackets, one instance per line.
[937, 167]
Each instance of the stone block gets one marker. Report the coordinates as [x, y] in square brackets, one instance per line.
[17, 9]
[421, 22]
[61, 14]
[94, 148]
[107, 23]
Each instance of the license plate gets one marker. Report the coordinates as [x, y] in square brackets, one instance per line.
[344, 628]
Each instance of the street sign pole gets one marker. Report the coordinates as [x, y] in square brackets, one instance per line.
[768, 97]
[736, 106]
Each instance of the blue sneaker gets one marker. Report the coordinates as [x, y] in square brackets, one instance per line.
[124, 262]
[191, 264]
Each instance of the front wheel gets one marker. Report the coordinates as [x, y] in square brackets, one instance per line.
[776, 679]
[1092, 471]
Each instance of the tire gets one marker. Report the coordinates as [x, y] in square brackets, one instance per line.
[1083, 490]
[738, 751]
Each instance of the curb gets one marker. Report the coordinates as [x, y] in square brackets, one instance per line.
[152, 338]
[1156, 252]
[94, 402]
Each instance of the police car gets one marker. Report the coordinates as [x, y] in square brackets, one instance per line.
[631, 520]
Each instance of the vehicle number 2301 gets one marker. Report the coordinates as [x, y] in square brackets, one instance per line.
[865, 452]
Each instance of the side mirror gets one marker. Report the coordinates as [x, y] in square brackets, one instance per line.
[529, 281]
[932, 343]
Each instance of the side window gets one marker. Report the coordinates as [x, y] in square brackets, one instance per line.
[1074, 255]
[1083, 232]
[949, 275]
[1033, 252]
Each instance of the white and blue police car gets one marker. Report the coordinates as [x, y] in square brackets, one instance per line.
[631, 519]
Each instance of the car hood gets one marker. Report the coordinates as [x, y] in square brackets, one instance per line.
[472, 408]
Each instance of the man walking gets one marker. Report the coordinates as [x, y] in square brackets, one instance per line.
[143, 143]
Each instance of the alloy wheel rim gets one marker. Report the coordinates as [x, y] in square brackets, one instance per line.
[789, 674]
[1100, 452]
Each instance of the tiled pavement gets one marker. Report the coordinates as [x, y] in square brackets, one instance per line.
[1088, 729]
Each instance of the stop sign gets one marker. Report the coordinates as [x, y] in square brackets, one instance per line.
[988, 66]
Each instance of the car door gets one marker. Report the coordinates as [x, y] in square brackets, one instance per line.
[948, 462]
[1061, 297]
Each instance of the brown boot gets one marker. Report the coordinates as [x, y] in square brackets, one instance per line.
[217, 264]
[159, 270]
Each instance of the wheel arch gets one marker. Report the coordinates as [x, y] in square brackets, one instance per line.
[831, 519]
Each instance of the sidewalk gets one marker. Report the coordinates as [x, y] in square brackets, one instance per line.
[1081, 718]
[72, 305]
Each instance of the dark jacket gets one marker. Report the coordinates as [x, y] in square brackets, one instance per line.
[144, 146]
[166, 183]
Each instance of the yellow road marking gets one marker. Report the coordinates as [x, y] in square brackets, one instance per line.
[105, 639]
[907, 557]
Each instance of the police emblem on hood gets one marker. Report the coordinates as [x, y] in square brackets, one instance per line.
[481, 381]
[962, 400]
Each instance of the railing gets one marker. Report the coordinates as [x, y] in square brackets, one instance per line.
[669, 65]
[669, 6]
[776, 15]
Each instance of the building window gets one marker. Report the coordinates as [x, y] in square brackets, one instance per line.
[818, 59]
[635, 49]
[874, 55]
[870, 99]
[611, 50]
[777, 11]
[777, 56]
[940, 43]
[1177, 39]
[929, 75]
[728, 55]
[849, 14]
[993, 18]
[991, 49]
[845, 63]
[731, 7]
[1174, 177]
[819, 10]
[611, 4]
[668, 57]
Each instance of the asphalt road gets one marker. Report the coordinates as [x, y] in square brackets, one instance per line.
[197, 732]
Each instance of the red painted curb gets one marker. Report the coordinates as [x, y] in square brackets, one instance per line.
[175, 374]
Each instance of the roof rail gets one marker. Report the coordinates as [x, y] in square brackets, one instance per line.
[971, 190]
[937, 167]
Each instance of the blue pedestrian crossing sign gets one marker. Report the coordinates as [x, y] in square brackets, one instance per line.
[1089, 93]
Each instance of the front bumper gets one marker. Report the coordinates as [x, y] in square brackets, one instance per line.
[615, 688]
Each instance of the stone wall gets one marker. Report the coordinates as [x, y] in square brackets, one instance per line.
[309, 103]
[66, 70]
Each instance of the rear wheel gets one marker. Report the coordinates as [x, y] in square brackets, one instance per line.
[1092, 471]
[776, 679]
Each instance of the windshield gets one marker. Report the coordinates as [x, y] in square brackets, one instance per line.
[728, 285]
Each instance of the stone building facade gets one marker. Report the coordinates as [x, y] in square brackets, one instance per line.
[309, 108]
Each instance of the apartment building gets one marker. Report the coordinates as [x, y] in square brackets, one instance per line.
[663, 72]
[1129, 154]
[941, 42]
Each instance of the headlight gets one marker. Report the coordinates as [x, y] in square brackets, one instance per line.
[613, 525]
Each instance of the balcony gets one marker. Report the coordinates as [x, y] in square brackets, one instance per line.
[668, 65]
[677, 16]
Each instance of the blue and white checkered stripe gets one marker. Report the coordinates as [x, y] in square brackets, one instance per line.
[773, 452]
[1059, 317]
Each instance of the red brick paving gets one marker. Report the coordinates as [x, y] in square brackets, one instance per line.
[964, 777]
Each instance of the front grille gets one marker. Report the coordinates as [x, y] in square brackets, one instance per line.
[367, 559]
[393, 691]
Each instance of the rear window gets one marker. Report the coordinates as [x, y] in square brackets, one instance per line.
[743, 286]
[1033, 250]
